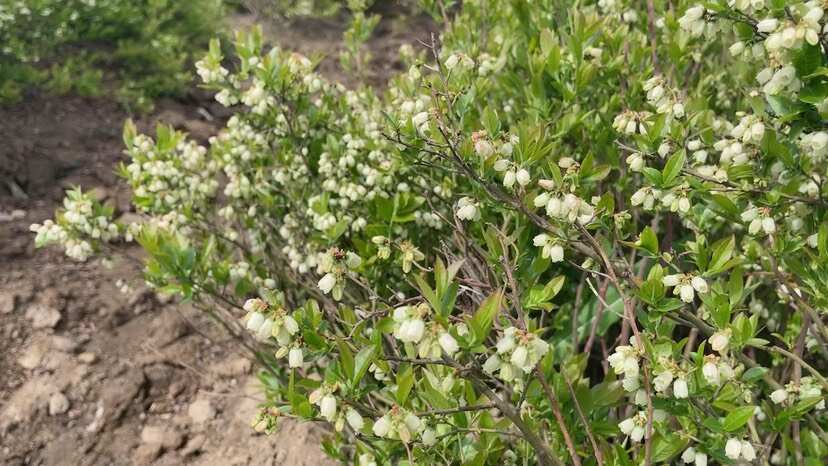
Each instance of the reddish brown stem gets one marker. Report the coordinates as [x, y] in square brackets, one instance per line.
[556, 411]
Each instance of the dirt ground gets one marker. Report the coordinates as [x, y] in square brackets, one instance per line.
[92, 375]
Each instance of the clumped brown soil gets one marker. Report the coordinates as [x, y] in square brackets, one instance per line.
[93, 375]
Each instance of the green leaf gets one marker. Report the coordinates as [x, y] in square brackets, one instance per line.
[302, 408]
[481, 323]
[649, 241]
[427, 292]
[452, 270]
[130, 132]
[651, 291]
[539, 296]
[405, 382]
[807, 59]
[334, 232]
[363, 361]
[754, 373]
[668, 446]
[491, 121]
[607, 393]
[735, 287]
[448, 299]
[673, 167]
[724, 203]
[819, 72]
[655, 130]
[653, 176]
[720, 313]
[547, 41]
[346, 359]
[794, 412]
[784, 108]
[814, 93]
[822, 241]
[440, 276]
[738, 418]
[298, 403]
[722, 252]
[622, 458]
[713, 424]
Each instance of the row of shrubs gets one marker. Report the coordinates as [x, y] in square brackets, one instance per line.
[145, 47]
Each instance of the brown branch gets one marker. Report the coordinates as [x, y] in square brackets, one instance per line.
[602, 305]
[556, 410]
[461, 409]
[599, 455]
[544, 454]
[629, 314]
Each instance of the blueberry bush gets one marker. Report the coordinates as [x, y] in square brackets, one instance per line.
[572, 233]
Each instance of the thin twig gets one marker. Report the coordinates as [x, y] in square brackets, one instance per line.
[556, 411]
[599, 455]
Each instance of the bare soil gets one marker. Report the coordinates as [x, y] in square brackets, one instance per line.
[91, 375]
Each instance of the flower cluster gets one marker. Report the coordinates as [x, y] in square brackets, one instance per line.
[735, 449]
[430, 338]
[324, 398]
[400, 424]
[266, 321]
[806, 388]
[634, 427]
[686, 285]
[625, 361]
[80, 226]
[150, 59]
[335, 265]
[550, 247]
[518, 352]
[569, 207]
[671, 376]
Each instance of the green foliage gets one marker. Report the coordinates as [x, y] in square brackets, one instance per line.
[286, 9]
[147, 46]
[589, 234]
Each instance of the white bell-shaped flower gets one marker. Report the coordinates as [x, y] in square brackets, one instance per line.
[779, 396]
[733, 448]
[382, 426]
[448, 343]
[295, 357]
[354, 419]
[327, 283]
[680, 389]
[327, 407]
